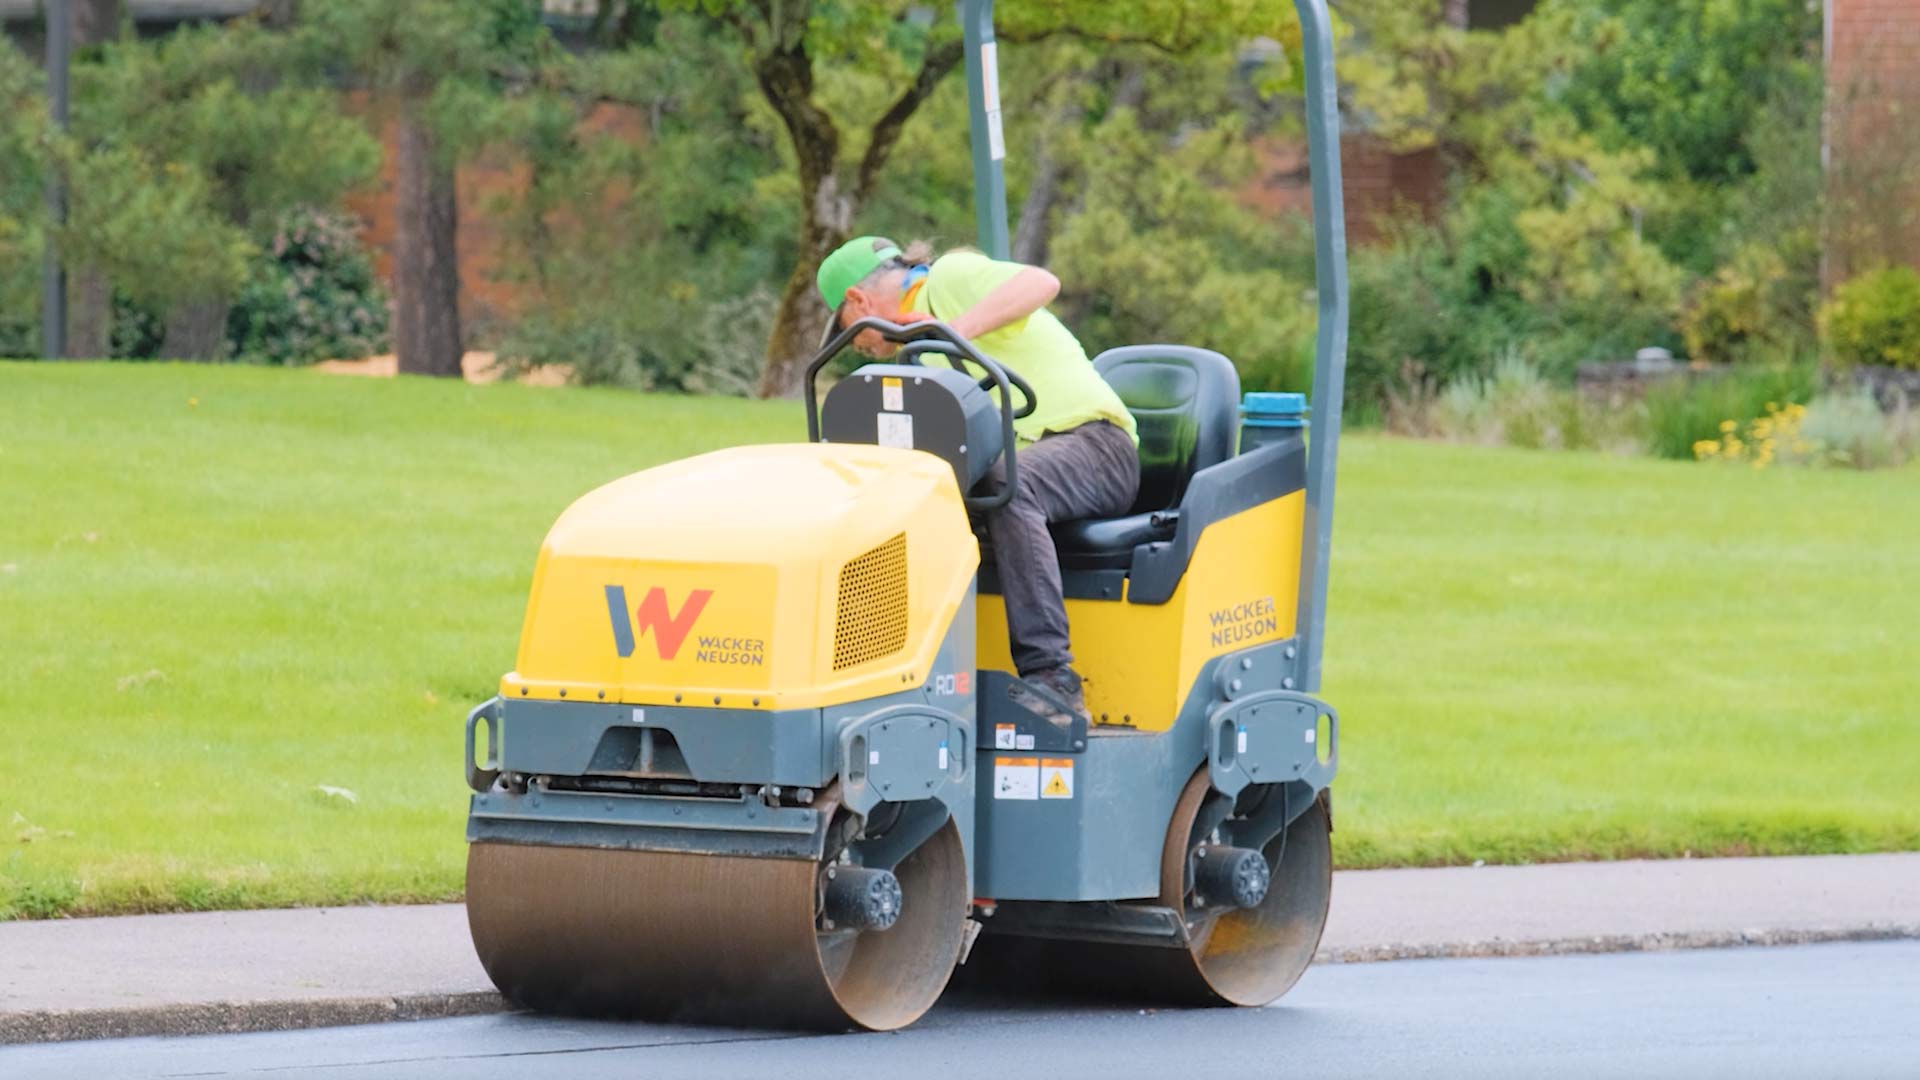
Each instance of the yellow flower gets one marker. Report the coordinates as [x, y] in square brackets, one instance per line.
[1705, 448]
[1728, 426]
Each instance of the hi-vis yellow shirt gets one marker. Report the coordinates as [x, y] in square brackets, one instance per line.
[1038, 348]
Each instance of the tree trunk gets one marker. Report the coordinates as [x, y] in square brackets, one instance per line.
[801, 318]
[798, 324]
[196, 330]
[1036, 212]
[90, 297]
[89, 315]
[95, 21]
[426, 265]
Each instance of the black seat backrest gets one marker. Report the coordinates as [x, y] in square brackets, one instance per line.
[1186, 404]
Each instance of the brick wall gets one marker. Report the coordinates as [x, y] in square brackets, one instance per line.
[1872, 134]
[1377, 183]
[488, 183]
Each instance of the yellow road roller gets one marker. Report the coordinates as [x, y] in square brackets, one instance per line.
[763, 758]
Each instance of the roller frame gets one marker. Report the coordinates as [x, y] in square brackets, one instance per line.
[1086, 884]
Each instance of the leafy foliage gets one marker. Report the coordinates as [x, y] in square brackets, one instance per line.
[151, 226]
[313, 297]
[644, 255]
[1875, 319]
[1682, 414]
[1685, 81]
[1156, 249]
[235, 105]
[185, 149]
[1517, 405]
[1751, 308]
[21, 147]
[1851, 430]
[1608, 155]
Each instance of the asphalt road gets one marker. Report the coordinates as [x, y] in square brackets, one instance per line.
[1813, 1011]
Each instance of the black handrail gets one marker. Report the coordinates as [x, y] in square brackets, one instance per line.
[910, 354]
[928, 330]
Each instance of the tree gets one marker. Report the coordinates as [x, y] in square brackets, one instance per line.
[1688, 81]
[23, 144]
[220, 117]
[422, 57]
[1133, 197]
[845, 77]
[90, 295]
[643, 245]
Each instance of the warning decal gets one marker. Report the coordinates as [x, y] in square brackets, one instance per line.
[894, 429]
[1003, 736]
[1056, 778]
[892, 396]
[1016, 778]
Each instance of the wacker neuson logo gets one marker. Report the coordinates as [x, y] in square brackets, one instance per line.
[1243, 622]
[669, 629]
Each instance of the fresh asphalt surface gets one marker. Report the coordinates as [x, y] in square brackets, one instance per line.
[1849, 1010]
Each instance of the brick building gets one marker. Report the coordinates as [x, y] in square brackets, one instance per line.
[1871, 148]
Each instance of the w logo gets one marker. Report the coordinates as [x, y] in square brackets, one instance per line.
[669, 628]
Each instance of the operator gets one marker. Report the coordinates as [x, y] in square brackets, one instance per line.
[1079, 455]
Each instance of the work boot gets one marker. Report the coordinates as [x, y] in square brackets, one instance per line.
[1063, 683]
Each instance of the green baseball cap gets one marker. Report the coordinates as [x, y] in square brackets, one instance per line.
[850, 262]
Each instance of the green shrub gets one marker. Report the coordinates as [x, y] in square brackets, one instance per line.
[1851, 430]
[311, 296]
[1517, 405]
[137, 330]
[1875, 319]
[1285, 365]
[1753, 308]
[1683, 413]
[701, 348]
[1443, 302]
[1434, 303]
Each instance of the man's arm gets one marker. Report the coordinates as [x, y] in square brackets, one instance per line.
[1012, 300]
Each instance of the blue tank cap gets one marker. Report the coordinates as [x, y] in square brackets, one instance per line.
[1260, 409]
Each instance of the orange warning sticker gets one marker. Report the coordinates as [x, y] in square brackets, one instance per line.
[1056, 778]
[1003, 736]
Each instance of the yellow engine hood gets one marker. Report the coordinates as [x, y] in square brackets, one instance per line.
[783, 576]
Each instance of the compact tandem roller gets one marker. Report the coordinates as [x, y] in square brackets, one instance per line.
[762, 758]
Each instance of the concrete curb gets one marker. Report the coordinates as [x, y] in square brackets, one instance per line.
[1614, 943]
[233, 1017]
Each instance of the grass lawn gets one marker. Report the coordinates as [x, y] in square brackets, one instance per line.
[225, 590]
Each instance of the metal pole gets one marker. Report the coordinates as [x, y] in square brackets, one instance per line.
[53, 279]
[983, 111]
[1330, 352]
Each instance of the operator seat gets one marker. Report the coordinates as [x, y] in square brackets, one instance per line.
[1185, 405]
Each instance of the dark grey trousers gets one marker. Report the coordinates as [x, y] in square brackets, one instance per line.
[1091, 471]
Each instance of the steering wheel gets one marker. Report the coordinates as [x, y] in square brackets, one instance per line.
[911, 352]
[931, 336]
